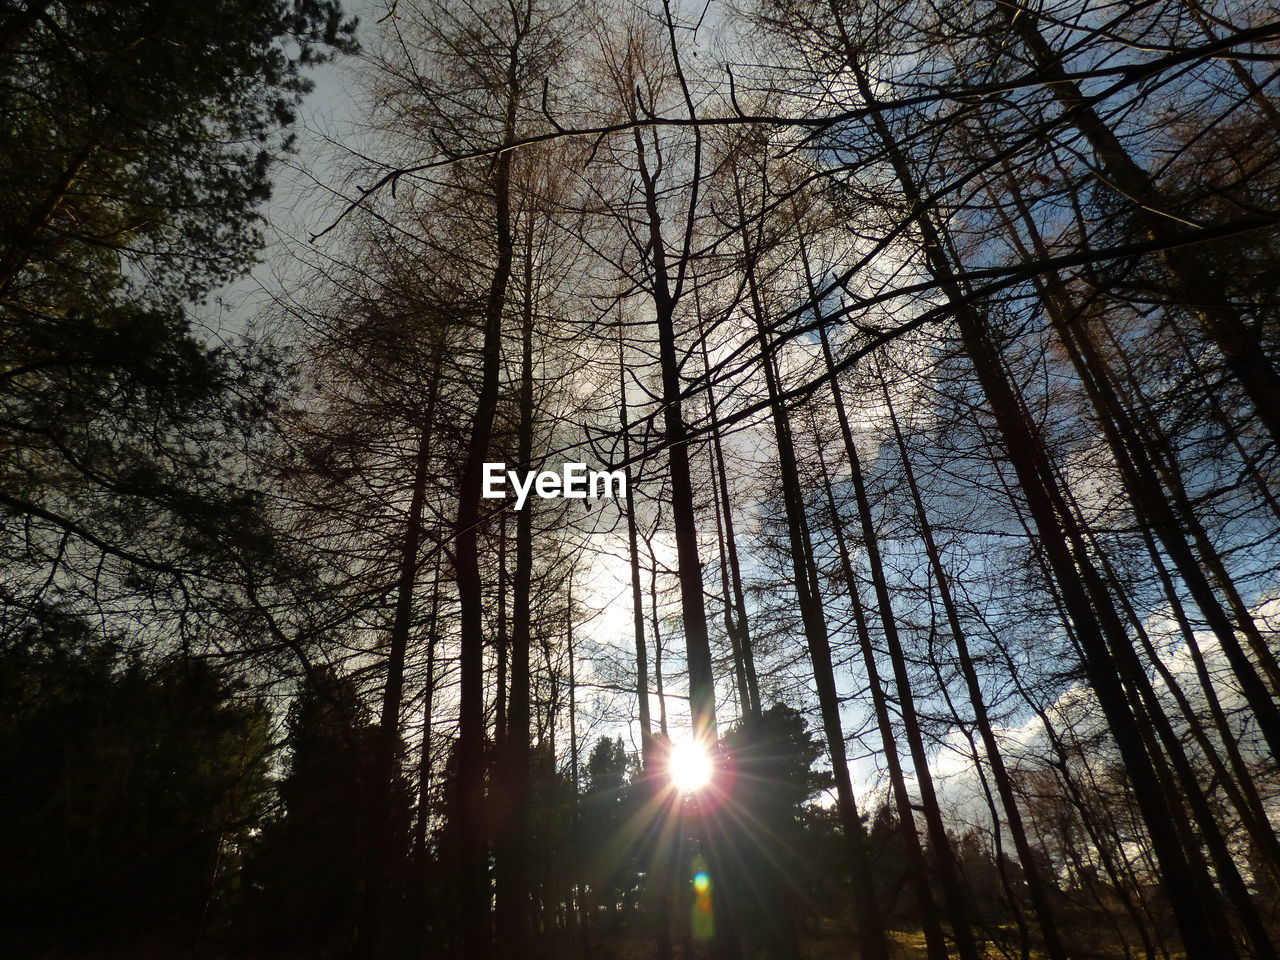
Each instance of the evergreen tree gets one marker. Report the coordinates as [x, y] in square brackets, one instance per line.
[130, 789]
[136, 146]
[305, 880]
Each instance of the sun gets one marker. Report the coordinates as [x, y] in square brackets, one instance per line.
[690, 766]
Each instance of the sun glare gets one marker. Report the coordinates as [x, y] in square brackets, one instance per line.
[690, 766]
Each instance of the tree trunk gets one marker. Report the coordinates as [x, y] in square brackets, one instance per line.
[418, 905]
[1152, 501]
[1097, 629]
[473, 880]
[375, 915]
[735, 614]
[512, 904]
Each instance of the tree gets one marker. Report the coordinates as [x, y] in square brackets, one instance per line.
[304, 882]
[772, 758]
[138, 146]
[132, 789]
[608, 803]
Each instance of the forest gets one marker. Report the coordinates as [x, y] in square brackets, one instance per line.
[905, 377]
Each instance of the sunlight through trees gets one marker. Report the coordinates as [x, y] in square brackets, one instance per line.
[739, 480]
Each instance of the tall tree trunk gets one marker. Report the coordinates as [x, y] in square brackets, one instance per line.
[582, 915]
[944, 858]
[917, 868]
[473, 880]
[948, 873]
[375, 915]
[419, 908]
[935, 942]
[512, 905]
[657, 641]
[502, 643]
[1249, 803]
[735, 613]
[1153, 502]
[637, 598]
[1125, 889]
[1180, 780]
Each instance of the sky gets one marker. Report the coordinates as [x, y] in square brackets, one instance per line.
[306, 192]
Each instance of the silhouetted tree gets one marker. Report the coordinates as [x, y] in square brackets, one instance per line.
[304, 883]
[131, 790]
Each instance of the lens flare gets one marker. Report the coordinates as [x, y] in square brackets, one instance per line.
[689, 766]
[703, 918]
